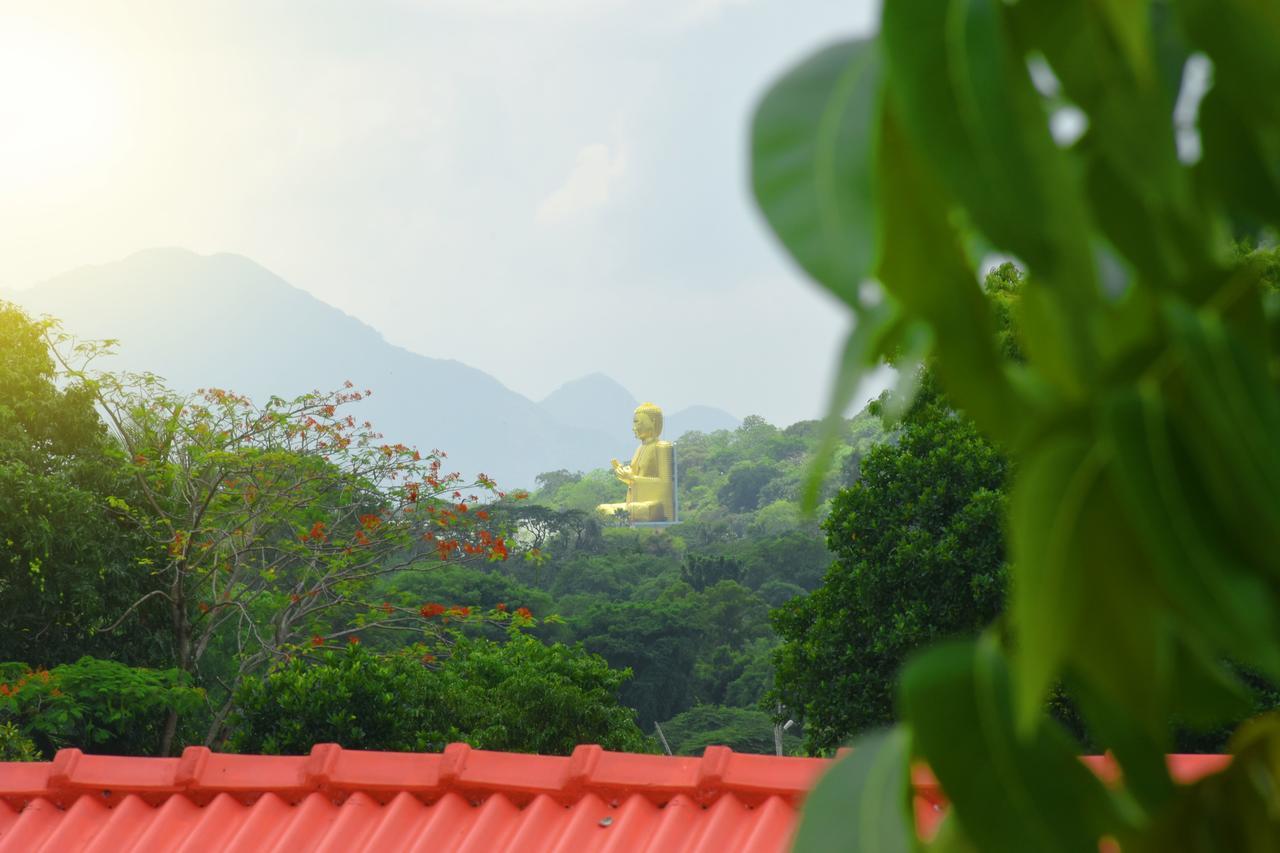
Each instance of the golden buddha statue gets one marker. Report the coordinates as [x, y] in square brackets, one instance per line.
[651, 476]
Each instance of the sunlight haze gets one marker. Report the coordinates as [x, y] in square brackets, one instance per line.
[531, 188]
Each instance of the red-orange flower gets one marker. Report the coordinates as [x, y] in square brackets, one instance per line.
[355, 641]
[525, 612]
[501, 608]
[387, 608]
[317, 640]
[429, 610]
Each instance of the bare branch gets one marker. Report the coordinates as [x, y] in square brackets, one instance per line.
[134, 606]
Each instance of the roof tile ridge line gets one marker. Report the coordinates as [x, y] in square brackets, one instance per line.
[711, 773]
[581, 769]
[317, 770]
[453, 761]
[190, 769]
[63, 767]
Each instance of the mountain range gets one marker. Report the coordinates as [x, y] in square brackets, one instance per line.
[225, 321]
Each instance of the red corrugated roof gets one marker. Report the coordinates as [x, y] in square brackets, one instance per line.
[458, 800]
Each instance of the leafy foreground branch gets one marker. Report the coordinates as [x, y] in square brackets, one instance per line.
[1144, 513]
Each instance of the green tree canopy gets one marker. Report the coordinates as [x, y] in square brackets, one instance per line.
[518, 695]
[919, 556]
[71, 562]
[741, 729]
[95, 705]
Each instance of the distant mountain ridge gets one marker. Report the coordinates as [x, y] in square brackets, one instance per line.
[599, 403]
[222, 320]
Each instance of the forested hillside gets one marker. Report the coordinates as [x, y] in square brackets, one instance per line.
[685, 608]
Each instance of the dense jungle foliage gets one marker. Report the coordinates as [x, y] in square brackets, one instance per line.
[206, 557]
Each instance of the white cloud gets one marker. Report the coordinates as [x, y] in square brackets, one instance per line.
[594, 178]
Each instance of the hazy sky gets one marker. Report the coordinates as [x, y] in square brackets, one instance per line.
[539, 188]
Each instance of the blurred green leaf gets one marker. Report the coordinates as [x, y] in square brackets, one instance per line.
[1129, 24]
[1139, 191]
[1231, 609]
[862, 804]
[1140, 754]
[1237, 809]
[811, 142]
[1240, 116]
[967, 103]
[1236, 164]
[1010, 794]
[1240, 36]
[871, 337]
[1048, 499]
[1239, 411]
[923, 266]
[1145, 515]
[950, 837]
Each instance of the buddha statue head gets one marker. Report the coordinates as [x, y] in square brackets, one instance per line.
[646, 423]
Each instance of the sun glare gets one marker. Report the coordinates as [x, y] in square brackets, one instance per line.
[59, 109]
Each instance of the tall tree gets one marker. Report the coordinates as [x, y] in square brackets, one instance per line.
[919, 557]
[71, 560]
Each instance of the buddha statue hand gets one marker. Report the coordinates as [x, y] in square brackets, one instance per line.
[622, 472]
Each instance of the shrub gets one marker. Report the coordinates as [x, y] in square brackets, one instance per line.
[97, 705]
[519, 696]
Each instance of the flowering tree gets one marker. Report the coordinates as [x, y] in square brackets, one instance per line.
[274, 520]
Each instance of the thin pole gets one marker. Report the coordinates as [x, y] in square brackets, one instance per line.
[665, 746]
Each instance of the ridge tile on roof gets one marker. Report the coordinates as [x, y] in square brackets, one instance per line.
[460, 799]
